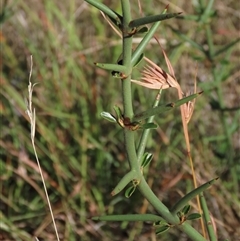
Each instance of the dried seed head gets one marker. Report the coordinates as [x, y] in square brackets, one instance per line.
[154, 77]
[188, 110]
[189, 106]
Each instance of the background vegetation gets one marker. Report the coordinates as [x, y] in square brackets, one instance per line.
[82, 155]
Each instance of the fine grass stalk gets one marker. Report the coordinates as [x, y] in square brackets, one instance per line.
[32, 116]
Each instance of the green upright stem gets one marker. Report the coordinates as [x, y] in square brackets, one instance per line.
[127, 55]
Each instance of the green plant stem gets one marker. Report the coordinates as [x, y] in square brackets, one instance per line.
[207, 218]
[127, 54]
[104, 9]
[139, 50]
[131, 150]
[125, 180]
[156, 203]
[184, 200]
[191, 232]
[152, 19]
[145, 134]
[126, 86]
[165, 213]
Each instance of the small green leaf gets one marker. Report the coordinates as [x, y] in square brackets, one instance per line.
[118, 111]
[180, 214]
[108, 116]
[160, 223]
[130, 191]
[149, 126]
[186, 209]
[146, 159]
[124, 182]
[162, 229]
[143, 30]
[187, 99]
[193, 216]
[119, 115]
[113, 67]
[151, 19]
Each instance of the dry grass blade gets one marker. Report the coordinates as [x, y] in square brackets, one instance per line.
[169, 65]
[32, 116]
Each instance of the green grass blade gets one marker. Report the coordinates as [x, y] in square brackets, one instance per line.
[226, 48]
[206, 14]
[187, 39]
[129, 217]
